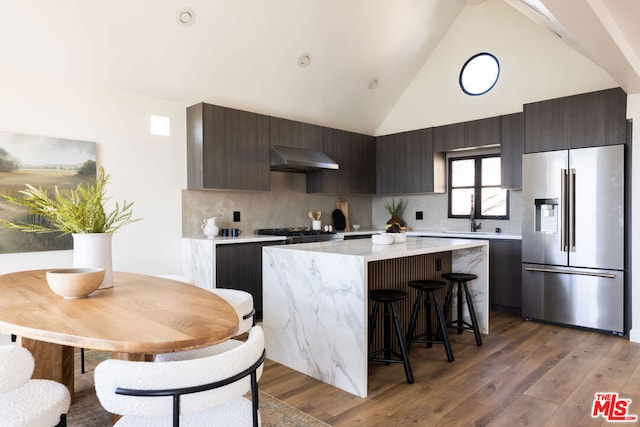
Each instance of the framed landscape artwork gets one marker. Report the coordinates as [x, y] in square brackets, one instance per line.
[42, 162]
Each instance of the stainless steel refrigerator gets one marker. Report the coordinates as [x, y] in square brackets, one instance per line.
[573, 236]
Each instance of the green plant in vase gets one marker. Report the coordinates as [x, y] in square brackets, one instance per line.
[395, 223]
[81, 213]
[77, 211]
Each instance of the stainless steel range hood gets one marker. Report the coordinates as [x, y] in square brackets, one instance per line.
[290, 159]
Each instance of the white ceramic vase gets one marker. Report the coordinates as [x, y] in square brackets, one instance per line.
[209, 227]
[94, 250]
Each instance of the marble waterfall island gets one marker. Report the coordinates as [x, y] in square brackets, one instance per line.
[315, 298]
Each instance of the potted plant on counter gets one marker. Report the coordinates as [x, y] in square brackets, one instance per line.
[395, 225]
[81, 213]
[395, 210]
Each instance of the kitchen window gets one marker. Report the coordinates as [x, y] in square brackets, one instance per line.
[474, 183]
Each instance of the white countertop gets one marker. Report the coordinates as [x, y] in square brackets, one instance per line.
[464, 234]
[248, 238]
[365, 248]
[446, 234]
[253, 238]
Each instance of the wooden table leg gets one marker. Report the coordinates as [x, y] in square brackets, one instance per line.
[52, 361]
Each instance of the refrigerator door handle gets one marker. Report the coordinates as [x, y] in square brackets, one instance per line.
[572, 210]
[563, 208]
[576, 272]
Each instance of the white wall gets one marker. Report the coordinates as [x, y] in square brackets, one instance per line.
[149, 170]
[535, 65]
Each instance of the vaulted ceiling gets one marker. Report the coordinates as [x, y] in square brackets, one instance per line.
[247, 54]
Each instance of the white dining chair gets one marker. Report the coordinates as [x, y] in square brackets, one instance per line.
[206, 391]
[25, 402]
[6, 338]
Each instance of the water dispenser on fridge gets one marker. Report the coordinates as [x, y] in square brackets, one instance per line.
[546, 215]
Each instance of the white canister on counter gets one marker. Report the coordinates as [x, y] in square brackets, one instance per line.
[209, 227]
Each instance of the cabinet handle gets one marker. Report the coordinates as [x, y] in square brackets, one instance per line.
[563, 207]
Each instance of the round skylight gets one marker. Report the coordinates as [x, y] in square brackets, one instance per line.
[479, 74]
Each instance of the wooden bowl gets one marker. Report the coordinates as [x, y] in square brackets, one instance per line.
[75, 282]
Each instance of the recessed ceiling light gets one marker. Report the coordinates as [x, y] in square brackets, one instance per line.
[186, 17]
[304, 60]
[373, 84]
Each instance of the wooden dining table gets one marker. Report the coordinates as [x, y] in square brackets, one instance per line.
[138, 317]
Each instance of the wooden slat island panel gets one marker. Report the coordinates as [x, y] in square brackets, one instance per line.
[395, 273]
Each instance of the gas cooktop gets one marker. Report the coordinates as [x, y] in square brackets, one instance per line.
[300, 234]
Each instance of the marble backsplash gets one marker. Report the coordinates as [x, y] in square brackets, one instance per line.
[287, 204]
[434, 209]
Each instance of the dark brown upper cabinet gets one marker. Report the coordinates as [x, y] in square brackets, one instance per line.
[227, 149]
[474, 133]
[511, 150]
[355, 154]
[599, 118]
[406, 163]
[586, 120]
[448, 137]
[291, 133]
[482, 132]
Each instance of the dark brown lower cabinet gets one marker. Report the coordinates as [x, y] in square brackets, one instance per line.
[239, 266]
[505, 275]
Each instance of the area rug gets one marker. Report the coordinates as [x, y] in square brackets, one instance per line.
[87, 412]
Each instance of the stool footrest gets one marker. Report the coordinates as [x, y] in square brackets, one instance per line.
[424, 339]
[465, 325]
[372, 357]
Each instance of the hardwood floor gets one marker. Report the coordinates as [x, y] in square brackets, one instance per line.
[526, 373]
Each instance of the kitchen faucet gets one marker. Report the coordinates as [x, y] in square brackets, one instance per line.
[472, 217]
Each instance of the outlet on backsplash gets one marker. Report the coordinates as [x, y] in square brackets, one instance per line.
[236, 216]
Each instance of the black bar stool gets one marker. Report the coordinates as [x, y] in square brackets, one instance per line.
[388, 298]
[429, 289]
[461, 279]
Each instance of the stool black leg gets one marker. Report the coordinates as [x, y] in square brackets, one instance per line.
[447, 300]
[82, 360]
[387, 331]
[472, 314]
[443, 329]
[403, 347]
[372, 320]
[414, 317]
[427, 310]
[459, 308]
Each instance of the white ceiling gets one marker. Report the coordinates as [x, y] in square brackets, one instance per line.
[606, 31]
[244, 53]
